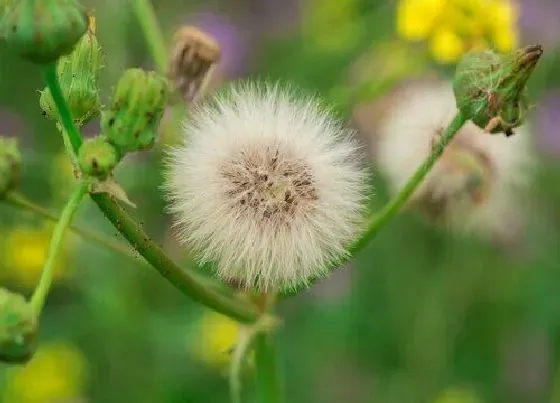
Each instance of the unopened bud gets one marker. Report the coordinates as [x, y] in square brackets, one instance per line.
[18, 327]
[192, 57]
[98, 158]
[78, 74]
[490, 88]
[10, 162]
[131, 122]
[43, 30]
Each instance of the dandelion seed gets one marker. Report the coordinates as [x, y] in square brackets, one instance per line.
[269, 188]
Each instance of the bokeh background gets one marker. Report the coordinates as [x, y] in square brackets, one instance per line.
[422, 315]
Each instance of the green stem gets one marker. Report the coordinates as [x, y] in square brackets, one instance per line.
[23, 203]
[268, 379]
[40, 294]
[395, 204]
[181, 279]
[185, 281]
[70, 131]
[152, 33]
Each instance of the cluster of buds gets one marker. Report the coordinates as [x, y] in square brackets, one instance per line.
[490, 88]
[18, 327]
[43, 30]
[192, 59]
[78, 74]
[10, 161]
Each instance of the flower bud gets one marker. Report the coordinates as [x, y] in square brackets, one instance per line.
[18, 327]
[490, 88]
[43, 30]
[98, 158]
[136, 110]
[10, 161]
[192, 57]
[78, 74]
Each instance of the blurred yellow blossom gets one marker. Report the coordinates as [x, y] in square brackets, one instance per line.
[458, 395]
[56, 373]
[453, 27]
[215, 339]
[24, 252]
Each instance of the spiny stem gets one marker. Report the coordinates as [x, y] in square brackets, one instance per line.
[395, 204]
[70, 132]
[40, 294]
[183, 280]
[152, 33]
[20, 201]
[268, 378]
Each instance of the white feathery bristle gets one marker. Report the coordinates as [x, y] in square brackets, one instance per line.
[268, 186]
[405, 137]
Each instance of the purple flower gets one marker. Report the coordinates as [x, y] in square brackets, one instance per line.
[538, 22]
[547, 124]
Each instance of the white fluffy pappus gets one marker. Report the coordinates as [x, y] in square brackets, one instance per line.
[499, 168]
[268, 186]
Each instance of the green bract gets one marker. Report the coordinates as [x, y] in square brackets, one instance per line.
[10, 161]
[98, 158]
[18, 327]
[78, 74]
[490, 88]
[43, 30]
[136, 109]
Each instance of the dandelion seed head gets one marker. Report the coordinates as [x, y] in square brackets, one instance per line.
[268, 186]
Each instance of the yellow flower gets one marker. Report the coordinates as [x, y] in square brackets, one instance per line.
[216, 336]
[25, 251]
[458, 395]
[446, 46]
[455, 26]
[57, 372]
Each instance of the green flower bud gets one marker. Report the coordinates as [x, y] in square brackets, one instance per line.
[98, 158]
[136, 110]
[78, 74]
[490, 88]
[10, 162]
[18, 327]
[43, 30]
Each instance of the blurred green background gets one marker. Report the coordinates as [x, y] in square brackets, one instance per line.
[421, 315]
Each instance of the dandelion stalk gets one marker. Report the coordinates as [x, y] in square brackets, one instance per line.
[70, 133]
[186, 282]
[42, 290]
[394, 205]
[152, 32]
[268, 378]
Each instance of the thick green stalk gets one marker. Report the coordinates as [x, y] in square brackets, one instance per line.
[181, 279]
[397, 202]
[42, 290]
[21, 202]
[152, 33]
[268, 379]
[69, 130]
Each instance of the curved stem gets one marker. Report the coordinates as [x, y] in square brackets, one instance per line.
[19, 201]
[181, 279]
[152, 33]
[70, 132]
[395, 204]
[40, 294]
[268, 379]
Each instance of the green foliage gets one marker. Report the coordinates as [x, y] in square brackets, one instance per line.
[18, 327]
[10, 161]
[98, 158]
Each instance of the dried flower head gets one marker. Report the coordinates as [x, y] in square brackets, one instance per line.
[475, 184]
[193, 55]
[268, 186]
